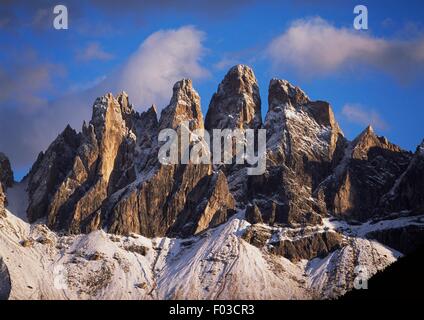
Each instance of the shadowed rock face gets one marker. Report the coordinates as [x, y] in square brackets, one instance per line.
[6, 181]
[5, 283]
[369, 170]
[6, 173]
[208, 205]
[304, 143]
[109, 176]
[408, 191]
[405, 239]
[49, 172]
[253, 214]
[317, 245]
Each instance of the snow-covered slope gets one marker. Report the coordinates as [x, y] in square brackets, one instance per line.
[218, 264]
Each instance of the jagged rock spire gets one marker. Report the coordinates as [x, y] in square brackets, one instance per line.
[184, 106]
[49, 172]
[282, 92]
[368, 139]
[304, 143]
[237, 103]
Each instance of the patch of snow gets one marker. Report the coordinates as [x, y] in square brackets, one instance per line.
[363, 229]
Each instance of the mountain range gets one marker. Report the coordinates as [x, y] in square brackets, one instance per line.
[100, 217]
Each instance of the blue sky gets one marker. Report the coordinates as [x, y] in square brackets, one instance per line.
[51, 77]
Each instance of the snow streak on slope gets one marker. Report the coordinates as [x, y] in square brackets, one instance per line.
[334, 275]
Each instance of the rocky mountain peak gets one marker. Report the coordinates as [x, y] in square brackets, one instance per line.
[49, 171]
[369, 170]
[295, 124]
[324, 115]
[184, 106]
[403, 196]
[368, 140]
[126, 107]
[239, 79]
[304, 144]
[152, 111]
[237, 103]
[282, 92]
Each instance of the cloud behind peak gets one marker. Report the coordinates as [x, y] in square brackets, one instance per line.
[315, 47]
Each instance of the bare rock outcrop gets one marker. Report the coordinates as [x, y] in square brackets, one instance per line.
[237, 103]
[304, 144]
[209, 204]
[295, 246]
[84, 165]
[309, 247]
[181, 199]
[253, 214]
[6, 173]
[370, 167]
[407, 193]
[405, 239]
[109, 175]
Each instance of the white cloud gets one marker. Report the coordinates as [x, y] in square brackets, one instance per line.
[225, 63]
[161, 60]
[314, 46]
[358, 114]
[93, 51]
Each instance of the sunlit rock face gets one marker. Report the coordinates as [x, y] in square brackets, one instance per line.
[237, 103]
[109, 174]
